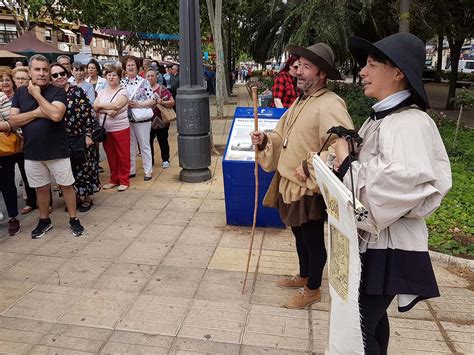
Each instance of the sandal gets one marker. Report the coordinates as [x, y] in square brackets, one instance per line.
[26, 210]
[85, 206]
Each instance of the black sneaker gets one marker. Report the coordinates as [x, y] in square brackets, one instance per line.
[44, 225]
[76, 227]
[13, 226]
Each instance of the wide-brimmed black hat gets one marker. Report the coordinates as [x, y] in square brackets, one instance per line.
[405, 50]
[321, 55]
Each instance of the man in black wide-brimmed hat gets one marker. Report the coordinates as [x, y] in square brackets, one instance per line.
[401, 174]
[303, 130]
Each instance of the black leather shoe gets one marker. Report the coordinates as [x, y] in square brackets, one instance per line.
[132, 176]
[147, 178]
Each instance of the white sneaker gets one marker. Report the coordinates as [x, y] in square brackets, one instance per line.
[122, 188]
[165, 164]
[2, 216]
[108, 186]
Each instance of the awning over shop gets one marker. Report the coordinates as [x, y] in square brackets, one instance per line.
[7, 54]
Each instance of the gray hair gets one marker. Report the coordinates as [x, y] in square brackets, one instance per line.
[38, 57]
[63, 56]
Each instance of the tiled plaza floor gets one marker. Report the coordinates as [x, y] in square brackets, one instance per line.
[159, 272]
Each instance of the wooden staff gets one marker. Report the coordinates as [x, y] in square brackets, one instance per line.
[255, 206]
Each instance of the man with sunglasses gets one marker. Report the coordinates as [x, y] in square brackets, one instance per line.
[39, 109]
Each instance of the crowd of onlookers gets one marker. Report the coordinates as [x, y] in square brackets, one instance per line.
[62, 112]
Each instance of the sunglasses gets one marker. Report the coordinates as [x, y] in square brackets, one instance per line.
[57, 75]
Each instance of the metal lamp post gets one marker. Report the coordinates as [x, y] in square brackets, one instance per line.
[192, 100]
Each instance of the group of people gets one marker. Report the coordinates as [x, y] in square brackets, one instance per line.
[57, 109]
[400, 173]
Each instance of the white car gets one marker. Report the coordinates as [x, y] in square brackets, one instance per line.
[464, 66]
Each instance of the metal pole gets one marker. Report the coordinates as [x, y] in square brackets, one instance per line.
[192, 100]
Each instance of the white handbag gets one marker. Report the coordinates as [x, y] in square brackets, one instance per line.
[139, 114]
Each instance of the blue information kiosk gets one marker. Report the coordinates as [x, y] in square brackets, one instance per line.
[238, 168]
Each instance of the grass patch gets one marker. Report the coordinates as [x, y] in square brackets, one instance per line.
[451, 227]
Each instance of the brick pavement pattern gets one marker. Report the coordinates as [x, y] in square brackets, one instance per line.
[159, 272]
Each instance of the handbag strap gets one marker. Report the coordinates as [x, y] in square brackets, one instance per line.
[112, 99]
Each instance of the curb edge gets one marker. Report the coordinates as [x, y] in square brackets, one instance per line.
[452, 260]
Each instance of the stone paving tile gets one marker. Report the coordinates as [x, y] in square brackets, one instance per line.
[215, 320]
[78, 272]
[284, 329]
[140, 214]
[125, 277]
[271, 262]
[11, 291]
[75, 338]
[122, 230]
[184, 204]
[153, 201]
[34, 268]
[240, 238]
[223, 285]
[144, 253]
[445, 278]
[7, 260]
[62, 247]
[11, 347]
[189, 255]
[174, 281]
[98, 308]
[103, 249]
[22, 243]
[200, 236]
[156, 233]
[45, 302]
[418, 345]
[155, 315]
[208, 219]
[21, 330]
[259, 350]
[124, 199]
[121, 348]
[197, 346]
[212, 205]
[169, 217]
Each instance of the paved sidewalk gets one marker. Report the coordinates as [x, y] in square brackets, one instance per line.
[160, 272]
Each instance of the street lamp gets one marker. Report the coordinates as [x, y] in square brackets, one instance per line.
[192, 100]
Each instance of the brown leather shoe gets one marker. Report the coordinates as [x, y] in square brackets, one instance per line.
[303, 298]
[292, 282]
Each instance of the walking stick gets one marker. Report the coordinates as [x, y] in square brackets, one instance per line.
[255, 206]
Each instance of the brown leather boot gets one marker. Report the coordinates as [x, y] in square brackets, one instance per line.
[303, 298]
[292, 282]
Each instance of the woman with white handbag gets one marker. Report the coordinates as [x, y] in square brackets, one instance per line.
[140, 114]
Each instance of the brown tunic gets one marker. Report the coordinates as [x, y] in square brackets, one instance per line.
[300, 133]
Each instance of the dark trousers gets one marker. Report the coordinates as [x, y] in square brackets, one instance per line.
[30, 192]
[311, 251]
[162, 136]
[7, 184]
[374, 322]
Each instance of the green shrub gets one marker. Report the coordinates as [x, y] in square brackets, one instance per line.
[358, 105]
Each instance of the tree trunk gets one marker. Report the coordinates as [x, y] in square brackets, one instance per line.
[404, 16]
[221, 91]
[455, 45]
[439, 64]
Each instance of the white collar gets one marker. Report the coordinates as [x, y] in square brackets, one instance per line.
[391, 101]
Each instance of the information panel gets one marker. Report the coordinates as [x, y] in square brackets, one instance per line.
[240, 146]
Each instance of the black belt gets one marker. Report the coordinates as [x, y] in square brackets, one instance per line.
[149, 120]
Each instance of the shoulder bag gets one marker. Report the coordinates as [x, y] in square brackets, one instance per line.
[99, 134]
[138, 114]
[10, 143]
[167, 114]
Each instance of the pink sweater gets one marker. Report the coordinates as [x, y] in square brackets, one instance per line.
[120, 121]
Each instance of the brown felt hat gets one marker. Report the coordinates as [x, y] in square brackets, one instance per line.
[321, 55]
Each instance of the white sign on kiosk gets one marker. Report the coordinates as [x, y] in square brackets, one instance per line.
[345, 335]
[240, 145]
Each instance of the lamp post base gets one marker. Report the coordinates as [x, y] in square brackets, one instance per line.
[195, 175]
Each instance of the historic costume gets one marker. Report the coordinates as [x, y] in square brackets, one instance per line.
[401, 174]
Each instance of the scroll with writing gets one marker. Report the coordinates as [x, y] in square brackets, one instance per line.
[345, 335]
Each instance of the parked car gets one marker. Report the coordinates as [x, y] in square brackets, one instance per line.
[464, 66]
